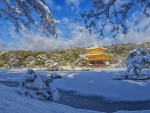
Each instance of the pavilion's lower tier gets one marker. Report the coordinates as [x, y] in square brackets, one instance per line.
[99, 63]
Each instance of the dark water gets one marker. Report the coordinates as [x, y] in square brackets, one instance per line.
[96, 103]
[99, 103]
[10, 83]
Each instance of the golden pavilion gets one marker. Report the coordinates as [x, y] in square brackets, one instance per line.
[97, 56]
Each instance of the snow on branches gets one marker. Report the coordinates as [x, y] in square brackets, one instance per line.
[82, 61]
[22, 12]
[111, 14]
[37, 86]
[137, 60]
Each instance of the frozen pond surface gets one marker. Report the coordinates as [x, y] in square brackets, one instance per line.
[96, 103]
[99, 103]
[10, 83]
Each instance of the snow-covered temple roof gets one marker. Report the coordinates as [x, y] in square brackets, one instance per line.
[96, 54]
[95, 46]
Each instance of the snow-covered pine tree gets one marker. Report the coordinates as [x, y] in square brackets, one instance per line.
[14, 62]
[82, 61]
[51, 65]
[137, 60]
[37, 86]
[40, 60]
[6, 66]
[59, 59]
[30, 62]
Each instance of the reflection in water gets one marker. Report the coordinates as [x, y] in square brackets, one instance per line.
[96, 103]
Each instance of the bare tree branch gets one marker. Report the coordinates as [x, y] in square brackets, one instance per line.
[113, 17]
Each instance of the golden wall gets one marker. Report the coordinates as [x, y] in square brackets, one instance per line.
[99, 57]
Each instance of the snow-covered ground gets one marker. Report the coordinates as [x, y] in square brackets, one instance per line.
[101, 82]
[12, 75]
[97, 82]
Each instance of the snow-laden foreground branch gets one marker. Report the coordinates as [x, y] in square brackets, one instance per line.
[27, 12]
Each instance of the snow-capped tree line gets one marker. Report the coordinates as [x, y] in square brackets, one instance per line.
[51, 60]
[120, 51]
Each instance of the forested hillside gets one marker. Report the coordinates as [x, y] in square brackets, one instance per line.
[30, 59]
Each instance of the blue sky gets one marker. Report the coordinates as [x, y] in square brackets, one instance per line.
[69, 32]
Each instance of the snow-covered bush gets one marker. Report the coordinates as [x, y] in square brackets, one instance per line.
[14, 63]
[82, 61]
[30, 62]
[40, 60]
[51, 65]
[37, 86]
[137, 60]
[6, 66]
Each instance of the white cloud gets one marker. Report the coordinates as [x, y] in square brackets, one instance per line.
[53, 5]
[73, 3]
[138, 32]
[35, 42]
[65, 20]
[4, 46]
[28, 40]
